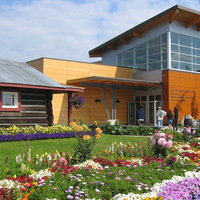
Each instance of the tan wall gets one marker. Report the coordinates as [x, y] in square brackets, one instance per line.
[37, 64]
[181, 89]
[62, 71]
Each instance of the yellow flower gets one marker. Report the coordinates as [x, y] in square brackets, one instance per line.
[14, 176]
[95, 123]
[79, 128]
[71, 124]
[35, 183]
[97, 136]
[98, 130]
[86, 137]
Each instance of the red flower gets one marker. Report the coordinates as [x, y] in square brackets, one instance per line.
[27, 184]
[23, 189]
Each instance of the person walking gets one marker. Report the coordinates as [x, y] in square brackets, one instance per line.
[175, 121]
[160, 115]
[140, 116]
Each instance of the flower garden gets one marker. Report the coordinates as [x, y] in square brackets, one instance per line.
[167, 167]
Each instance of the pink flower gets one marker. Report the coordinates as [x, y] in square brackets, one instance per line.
[168, 144]
[162, 142]
[193, 132]
[161, 135]
[153, 141]
[189, 130]
[169, 136]
[63, 160]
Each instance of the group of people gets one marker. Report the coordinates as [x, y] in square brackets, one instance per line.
[160, 114]
[171, 116]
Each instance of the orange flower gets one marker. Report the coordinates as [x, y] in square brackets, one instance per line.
[98, 130]
[71, 124]
[95, 123]
[97, 136]
[86, 137]
[79, 128]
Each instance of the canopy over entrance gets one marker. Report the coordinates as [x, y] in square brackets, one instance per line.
[108, 82]
[113, 83]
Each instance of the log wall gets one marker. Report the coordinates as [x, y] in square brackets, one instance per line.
[33, 110]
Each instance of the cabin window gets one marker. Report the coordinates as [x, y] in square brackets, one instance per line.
[10, 101]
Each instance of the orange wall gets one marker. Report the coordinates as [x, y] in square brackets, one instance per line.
[63, 70]
[181, 89]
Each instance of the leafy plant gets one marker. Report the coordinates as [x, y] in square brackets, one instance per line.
[160, 143]
[119, 129]
[84, 146]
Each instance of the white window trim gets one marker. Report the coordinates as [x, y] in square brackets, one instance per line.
[16, 99]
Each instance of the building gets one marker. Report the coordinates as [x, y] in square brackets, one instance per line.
[26, 95]
[154, 63]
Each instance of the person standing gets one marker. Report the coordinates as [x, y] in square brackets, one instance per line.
[160, 115]
[140, 115]
[175, 122]
[170, 117]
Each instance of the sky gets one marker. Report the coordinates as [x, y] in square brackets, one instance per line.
[69, 29]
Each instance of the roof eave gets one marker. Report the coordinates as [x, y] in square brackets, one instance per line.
[54, 89]
[97, 52]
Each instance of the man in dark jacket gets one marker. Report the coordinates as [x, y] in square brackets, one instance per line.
[175, 122]
[140, 115]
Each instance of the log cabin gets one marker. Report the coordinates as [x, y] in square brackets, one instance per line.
[26, 95]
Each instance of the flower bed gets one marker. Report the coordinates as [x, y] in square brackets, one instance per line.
[107, 178]
[40, 136]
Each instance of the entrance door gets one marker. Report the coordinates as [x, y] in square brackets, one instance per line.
[152, 112]
[137, 107]
[131, 113]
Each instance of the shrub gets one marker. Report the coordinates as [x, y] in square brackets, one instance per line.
[119, 129]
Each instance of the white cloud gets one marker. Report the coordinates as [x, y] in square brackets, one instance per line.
[67, 29]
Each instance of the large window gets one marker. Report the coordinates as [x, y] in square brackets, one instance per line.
[185, 52]
[147, 56]
[10, 101]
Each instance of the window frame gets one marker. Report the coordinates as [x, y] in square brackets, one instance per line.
[17, 95]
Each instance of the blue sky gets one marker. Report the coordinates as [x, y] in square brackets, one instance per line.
[68, 29]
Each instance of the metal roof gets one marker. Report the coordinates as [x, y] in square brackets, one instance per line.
[20, 73]
[180, 13]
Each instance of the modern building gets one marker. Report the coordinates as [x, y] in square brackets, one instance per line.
[154, 63]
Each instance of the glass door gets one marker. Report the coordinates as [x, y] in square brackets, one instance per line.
[131, 113]
[153, 106]
[137, 106]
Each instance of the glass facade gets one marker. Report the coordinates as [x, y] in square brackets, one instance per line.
[185, 52]
[147, 56]
[151, 55]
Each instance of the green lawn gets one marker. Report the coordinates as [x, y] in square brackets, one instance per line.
[12, 149]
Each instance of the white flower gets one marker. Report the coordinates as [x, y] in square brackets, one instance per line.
[89, 163]
[41, 173]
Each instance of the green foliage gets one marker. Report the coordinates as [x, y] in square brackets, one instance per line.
[129, 150]
[178, 137]
[83, 148]
[140, 130]
[119, 129]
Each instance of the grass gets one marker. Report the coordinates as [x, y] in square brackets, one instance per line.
[12, 149]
